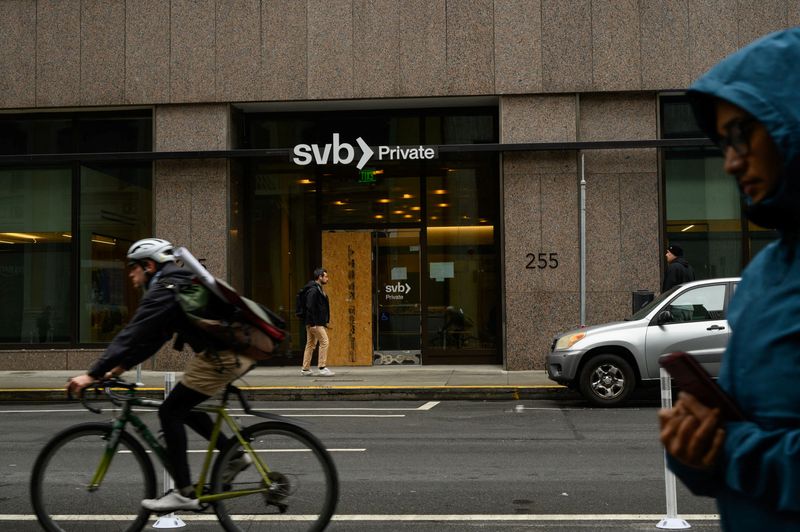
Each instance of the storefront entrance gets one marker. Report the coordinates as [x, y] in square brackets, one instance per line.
[411, 246]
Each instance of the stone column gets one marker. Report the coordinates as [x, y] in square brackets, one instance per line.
[540, 203]
[190, 196]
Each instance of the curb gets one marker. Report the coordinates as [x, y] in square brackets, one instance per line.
[322, 393]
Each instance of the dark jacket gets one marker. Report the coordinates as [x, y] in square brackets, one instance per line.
[678, 272]
[318, 310]
[156, 319]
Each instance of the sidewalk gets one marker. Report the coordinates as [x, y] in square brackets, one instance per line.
[286, 383]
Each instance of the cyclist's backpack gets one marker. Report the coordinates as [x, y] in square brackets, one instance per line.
[238, 323]
[300, 303]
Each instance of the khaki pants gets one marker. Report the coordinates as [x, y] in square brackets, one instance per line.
[209, 373]
[316, 334]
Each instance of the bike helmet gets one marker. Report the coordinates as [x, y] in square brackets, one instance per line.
[155, 249]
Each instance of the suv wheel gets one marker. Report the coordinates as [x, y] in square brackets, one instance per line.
[607, 380]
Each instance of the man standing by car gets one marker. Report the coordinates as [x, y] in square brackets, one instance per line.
[679, 270]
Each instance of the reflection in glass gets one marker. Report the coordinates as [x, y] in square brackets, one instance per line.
[115, 212]
[703, 207]
[35, 245]
[280, 239]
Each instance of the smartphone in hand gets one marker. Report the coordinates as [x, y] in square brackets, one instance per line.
[691, 377]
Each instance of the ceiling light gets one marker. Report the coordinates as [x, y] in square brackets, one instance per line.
[442, 204]
[440, 191]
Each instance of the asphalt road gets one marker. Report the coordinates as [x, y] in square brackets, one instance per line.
[451, 465]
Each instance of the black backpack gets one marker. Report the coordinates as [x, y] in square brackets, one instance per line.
[300, 302]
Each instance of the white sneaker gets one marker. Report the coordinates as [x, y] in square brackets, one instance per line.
[325, 372]
[170, 502]
[236, 466]
[305, 372]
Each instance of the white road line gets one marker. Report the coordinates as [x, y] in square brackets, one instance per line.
[391, 517]
[428, 405]
[331, 450]
[329, 415]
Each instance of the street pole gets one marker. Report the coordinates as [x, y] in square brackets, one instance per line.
[671, 521]
[169, 520]
[583, 241]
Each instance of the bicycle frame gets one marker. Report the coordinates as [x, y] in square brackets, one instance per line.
[127, 416]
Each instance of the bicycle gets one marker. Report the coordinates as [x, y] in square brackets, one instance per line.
[102, 468]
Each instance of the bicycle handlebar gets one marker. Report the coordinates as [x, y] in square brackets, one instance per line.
[105, 385]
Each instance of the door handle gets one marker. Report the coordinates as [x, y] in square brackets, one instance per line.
[716, 328]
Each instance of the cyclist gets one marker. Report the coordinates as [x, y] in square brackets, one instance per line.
[152, 268]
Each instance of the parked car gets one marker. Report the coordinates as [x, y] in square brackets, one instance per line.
[605, 363]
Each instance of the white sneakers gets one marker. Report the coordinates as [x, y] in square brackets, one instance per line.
[236, 466]
[170, 502]
[324, 372]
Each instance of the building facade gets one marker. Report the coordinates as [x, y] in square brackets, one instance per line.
[242, 129]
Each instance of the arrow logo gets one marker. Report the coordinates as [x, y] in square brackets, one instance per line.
[408, 289]
[366, 154]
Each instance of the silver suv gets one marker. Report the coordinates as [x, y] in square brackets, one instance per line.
[606, 362]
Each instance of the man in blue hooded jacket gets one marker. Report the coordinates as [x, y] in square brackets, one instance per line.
[750, 105]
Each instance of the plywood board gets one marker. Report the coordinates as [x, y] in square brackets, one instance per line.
[347, 255]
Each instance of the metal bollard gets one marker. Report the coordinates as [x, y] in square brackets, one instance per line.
[169, 520]
[671, 521]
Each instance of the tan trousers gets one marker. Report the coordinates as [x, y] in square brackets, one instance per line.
[209, 373]
[316, 334]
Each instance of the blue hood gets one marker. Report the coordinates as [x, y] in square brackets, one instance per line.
[762, 78]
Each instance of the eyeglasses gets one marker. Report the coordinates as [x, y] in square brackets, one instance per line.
[737, 136]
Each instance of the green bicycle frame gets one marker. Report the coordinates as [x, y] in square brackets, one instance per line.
[126, 416]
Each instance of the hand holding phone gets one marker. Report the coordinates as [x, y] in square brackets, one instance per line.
[690, 376]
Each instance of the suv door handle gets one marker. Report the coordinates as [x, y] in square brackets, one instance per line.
[716, 328]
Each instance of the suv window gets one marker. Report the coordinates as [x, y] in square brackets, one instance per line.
[698, 304]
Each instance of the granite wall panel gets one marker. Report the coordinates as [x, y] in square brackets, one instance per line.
[147, 52]
[540, 217]
[330, 49]
[58, 53]
[606, 306]
[191, 208]
[537, 318]
[628, 116]
[423, 59]
[640, 253]
[284, 50]
[566, 45]
[518, 46]
[712, 33]
[470, 47]
[209, 124]
[757, 19]
[537, 119]
[616, 60]
[17, 54]
[238, 50]
[792, 14]
[665, 44]
[102, 52]
[376, 48]
[192, 51]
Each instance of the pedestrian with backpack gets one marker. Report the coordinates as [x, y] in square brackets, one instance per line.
[159, 316]
[314, 308]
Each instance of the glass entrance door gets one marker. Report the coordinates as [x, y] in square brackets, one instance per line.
[397, 322]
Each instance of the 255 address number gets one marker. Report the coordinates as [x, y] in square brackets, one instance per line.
[541, 261]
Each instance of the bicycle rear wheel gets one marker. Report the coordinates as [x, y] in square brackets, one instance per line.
[64, 470]
[304, 487]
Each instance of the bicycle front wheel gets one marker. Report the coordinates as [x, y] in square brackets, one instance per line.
[63, 472]
[303, 484]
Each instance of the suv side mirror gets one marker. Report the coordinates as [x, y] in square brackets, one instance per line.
[663, 317]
